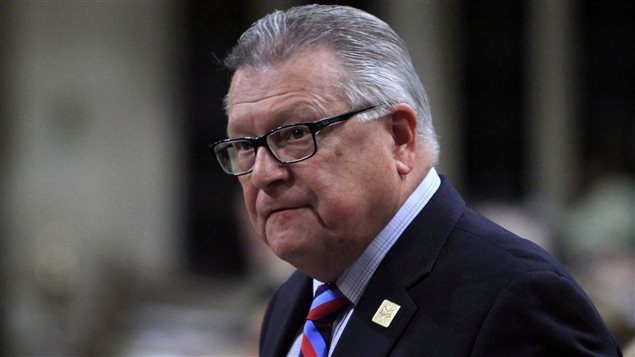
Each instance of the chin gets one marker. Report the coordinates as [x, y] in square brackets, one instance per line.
[288, 248]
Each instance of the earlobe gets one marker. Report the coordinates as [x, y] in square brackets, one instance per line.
[404, 129]
[402, 168]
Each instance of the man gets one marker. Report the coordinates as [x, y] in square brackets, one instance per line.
[331, 138]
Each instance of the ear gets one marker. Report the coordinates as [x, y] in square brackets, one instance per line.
[404, 134]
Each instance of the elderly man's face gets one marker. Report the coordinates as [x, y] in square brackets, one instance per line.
[318, 214]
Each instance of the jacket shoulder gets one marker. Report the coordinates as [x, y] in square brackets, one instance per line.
[498, 248]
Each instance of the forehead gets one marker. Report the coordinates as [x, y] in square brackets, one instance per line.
[301, 88]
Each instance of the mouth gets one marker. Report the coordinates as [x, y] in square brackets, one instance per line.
[284, 210]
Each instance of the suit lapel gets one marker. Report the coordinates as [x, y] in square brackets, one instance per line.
[409, 261]
[362, 335]
[285, 319]
[414, 254]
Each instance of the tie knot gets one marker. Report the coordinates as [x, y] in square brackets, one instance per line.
[327, 303]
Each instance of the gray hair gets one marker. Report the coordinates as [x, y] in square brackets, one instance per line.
[376, 65]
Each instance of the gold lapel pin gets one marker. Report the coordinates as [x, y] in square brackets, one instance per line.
[386, 312]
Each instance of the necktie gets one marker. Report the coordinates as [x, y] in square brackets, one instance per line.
[327, 304]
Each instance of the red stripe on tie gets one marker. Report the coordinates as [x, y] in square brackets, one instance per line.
[307, 347]
[326, 309]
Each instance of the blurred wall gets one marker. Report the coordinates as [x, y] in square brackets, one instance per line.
[90, 163]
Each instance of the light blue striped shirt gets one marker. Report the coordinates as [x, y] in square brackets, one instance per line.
[354, 279]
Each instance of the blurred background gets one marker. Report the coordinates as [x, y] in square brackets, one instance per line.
[121, 236]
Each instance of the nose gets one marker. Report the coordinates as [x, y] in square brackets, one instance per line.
[267, 170]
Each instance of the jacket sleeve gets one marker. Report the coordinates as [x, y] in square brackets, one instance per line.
[541, 313]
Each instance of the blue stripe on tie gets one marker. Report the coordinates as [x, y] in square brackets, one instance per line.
[325, 297]
[316, 339]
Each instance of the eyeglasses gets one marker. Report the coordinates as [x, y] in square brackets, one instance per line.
[288, 144]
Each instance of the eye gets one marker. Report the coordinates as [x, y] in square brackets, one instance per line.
[297, 133]
[243, 146]
[292, 135]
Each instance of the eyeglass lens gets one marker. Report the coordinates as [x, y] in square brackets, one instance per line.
[289, 144]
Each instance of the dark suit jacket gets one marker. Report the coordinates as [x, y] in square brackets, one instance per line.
[466, 287]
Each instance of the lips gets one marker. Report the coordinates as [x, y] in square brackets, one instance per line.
[278, 201]
[282, 209]
[269, 207]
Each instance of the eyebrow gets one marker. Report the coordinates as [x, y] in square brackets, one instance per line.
[291, 115]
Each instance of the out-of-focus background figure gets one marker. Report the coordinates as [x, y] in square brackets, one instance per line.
[120, 236]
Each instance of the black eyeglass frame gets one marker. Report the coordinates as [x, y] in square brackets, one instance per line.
[261, 141]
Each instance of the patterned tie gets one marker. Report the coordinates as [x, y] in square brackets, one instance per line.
[327, 304]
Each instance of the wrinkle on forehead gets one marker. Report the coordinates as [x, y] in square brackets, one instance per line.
[280, 113]
[304, 87]
[304, 67]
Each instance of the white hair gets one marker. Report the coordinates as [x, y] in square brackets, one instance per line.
[376, 65]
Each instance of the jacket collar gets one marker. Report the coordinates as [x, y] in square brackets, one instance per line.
[409, 261]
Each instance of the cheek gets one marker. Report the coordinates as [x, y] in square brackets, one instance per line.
[339, 196]
[358, 188]
[249, 197]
